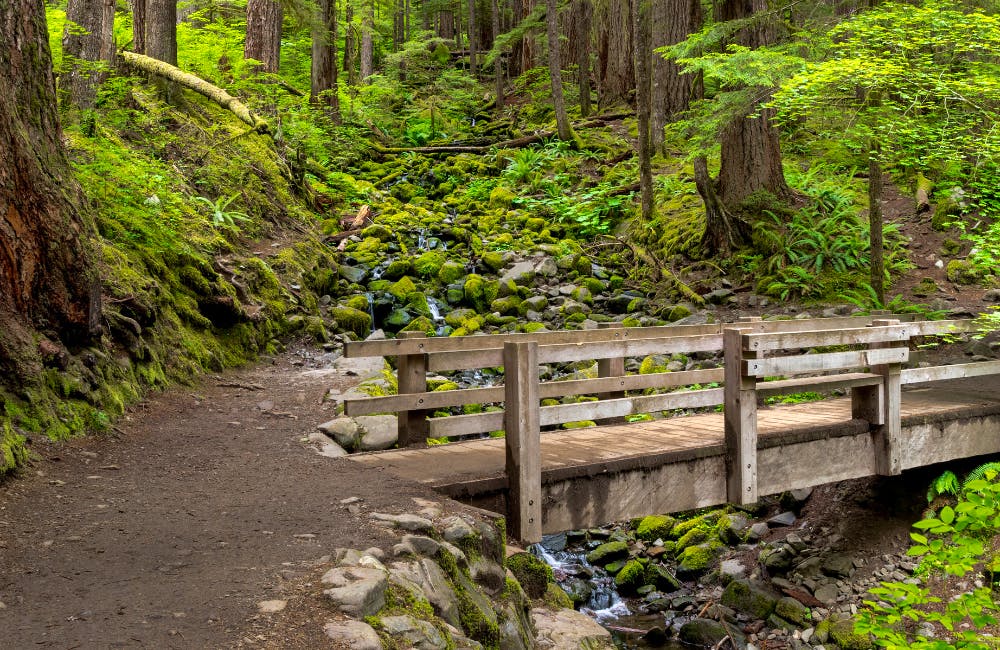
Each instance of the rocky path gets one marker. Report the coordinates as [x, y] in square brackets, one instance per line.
[169, 534]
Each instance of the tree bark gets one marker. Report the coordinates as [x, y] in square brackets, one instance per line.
[750, 149]
[615, 69]
[473, 39]
[161, 30]
[584, 25]
[555, 70]
[643, 54]
[47, 282]
[88, 39]
[875, 221]
[723, 230]
[349, 45]
[264, 34]
[323, 89]
[138, 26]
[498, 61]
[367, 42]
[672, 22]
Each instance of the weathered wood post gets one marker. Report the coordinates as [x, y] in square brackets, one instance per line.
[523, 440]
[740, 412]
[411, 377]
[611, 368]
[888, 434]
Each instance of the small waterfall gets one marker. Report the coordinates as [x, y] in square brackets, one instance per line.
[435, 309]
[371, 307]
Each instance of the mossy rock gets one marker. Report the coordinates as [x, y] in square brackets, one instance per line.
[421, 324]
[480, 292]
[556, 598]
[695, 560]
[708, 519]
[398, 319]
[450, 272]
[582, 294]
[631, 577]
[506, 305]
[353, 320]
[677, 313]
[661, 577]
[583, 265]
[632, 321]
[401, 288]
[697, 535]
[608, 552]
[493, 260]
[501, 198]
[593, 285]
[429, 264]
[531, 328]
[580, 424]
[655, 527]
[534, 224]
[533, 574]
[962, 272]
[417, 301]
[654, 363]
[926, 287]
[945, 213]
[750, 598]
[359, 302]
[458, 317]
[398, 268]
[377, 231]
[950, 247]
[842, 633]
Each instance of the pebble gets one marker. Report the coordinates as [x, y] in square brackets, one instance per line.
[271, 606]
[305, 536]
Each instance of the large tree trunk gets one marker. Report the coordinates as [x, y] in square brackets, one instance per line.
[367, 41]
[498, 61]
[138, 26]
[87, 40]
[583, 18]
[264, 34]
[323, 89]
[555, 70]
[643, 54]
[615, 71]
[672, 21]
[473, 38]
[875, 221]
[47, 284]
[751, 152]
[161, 30]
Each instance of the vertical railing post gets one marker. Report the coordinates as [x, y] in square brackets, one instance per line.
[888, 434]
[740, 420]
[614, 367]
[411, 377]
[523, 440]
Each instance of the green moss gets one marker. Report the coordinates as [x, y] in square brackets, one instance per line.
[652, 364]
[13, 453]
[697, 558]
[402, 288]
[507, 305]
[697, 535]
[359, 302]
[353, 320]
[655, 527]
[962, 272]
[556, 598]
[631, 577]
[450, 272]
[399, 600]
[843, 634]
[397, 269]
[479, 292]
[677, 313]
[493, 260]
[501, 197]
[533, 574]
[581, 424]
[429, 264]
[608, 552]
[531, 328]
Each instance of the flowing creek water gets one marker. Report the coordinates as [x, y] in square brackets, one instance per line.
[603, 603]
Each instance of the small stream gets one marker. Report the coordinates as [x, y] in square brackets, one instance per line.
[603, 603]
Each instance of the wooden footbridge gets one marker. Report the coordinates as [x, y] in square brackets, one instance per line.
[547, 481]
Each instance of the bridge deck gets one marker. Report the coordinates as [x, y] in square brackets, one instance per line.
[468, 469]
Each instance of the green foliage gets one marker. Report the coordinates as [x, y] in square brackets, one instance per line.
[953, 543]
[219, 213]
[947, 483]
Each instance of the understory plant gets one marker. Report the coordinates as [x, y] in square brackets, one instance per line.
[955, 547]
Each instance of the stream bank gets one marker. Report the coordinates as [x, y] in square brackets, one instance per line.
[789, 573]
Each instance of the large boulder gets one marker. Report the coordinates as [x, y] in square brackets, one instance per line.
[566, 629]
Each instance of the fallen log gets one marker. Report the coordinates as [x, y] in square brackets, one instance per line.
[199, 85]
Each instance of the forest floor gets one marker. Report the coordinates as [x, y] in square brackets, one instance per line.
[207, 501]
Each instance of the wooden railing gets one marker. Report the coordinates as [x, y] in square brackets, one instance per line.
[870, 366]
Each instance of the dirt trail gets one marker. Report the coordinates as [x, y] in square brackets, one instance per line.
[168, 536]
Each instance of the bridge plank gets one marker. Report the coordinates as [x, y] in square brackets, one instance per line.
[821, 338]
[957, 371]
[828, 382]
[804, 363]
[523, 445]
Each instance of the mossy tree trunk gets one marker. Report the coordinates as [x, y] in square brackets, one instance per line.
[323, 89]
[751, 152]
[48, 287]
[497, 62]
[367, 41]
[563, 127]
[87, 41]
[264, 34]
[138, 25]
[875, 220]
[643, 101]
[473, 38]
[582, 13]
